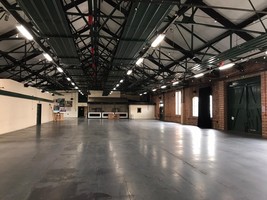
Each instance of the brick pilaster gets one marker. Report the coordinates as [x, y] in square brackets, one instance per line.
[219, 105]
[264, 103]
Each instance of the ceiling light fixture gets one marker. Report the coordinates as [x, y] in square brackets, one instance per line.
[68, 78]
[154, 90]
[72, 83]
[48, 57]
[129, 72]
[212, 59]
[76, 88]
[175, 83]
[145, 92]
[117, 85]
[197, 67]
[139, 61]
[227, 66]
[140, 94]
[60, 69]
[114, 88]
[199, 75]
[24, 32]
[158, 40]
[121, 81]
[163, 87]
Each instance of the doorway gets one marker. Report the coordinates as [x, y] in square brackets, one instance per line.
[80, 111]
[161, 110]
[204, 111]
[39, 114]
[244, 105]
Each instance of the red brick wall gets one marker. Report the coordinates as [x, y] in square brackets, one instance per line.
[169, 107]
[188, 94]
[264, 103]
[156, 100]
[219, 105]
[219, 94]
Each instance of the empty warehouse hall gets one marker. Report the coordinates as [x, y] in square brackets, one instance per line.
[132, 99]
[130, 159]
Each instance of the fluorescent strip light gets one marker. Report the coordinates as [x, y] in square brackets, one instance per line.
[199, 75]
[163, 87]
[227, 66]
[197, 67]
[175, 83]
[154, 90]
[129, 72]
[68, 78]
[139, 61]
[47, 56]
[158, 40]
[24, 32]
[72, 83]
[211, 59]
[59, 69]
[121, 81]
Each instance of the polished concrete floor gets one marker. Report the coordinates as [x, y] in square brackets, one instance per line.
[82, 159]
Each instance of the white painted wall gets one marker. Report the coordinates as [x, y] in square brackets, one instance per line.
[147, 112]
[82, 104]
[17, 113]
[70, 96]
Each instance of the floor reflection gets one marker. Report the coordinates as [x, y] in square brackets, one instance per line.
[127, 159]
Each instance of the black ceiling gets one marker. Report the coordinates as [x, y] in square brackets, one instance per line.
[96, 42]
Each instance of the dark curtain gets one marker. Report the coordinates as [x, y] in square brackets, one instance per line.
[204, 120]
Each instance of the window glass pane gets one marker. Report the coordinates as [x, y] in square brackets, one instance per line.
[195, 106]
[210, 106]
[178, 103]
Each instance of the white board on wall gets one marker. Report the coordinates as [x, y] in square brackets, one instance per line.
[142, 111]
[72, 98]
